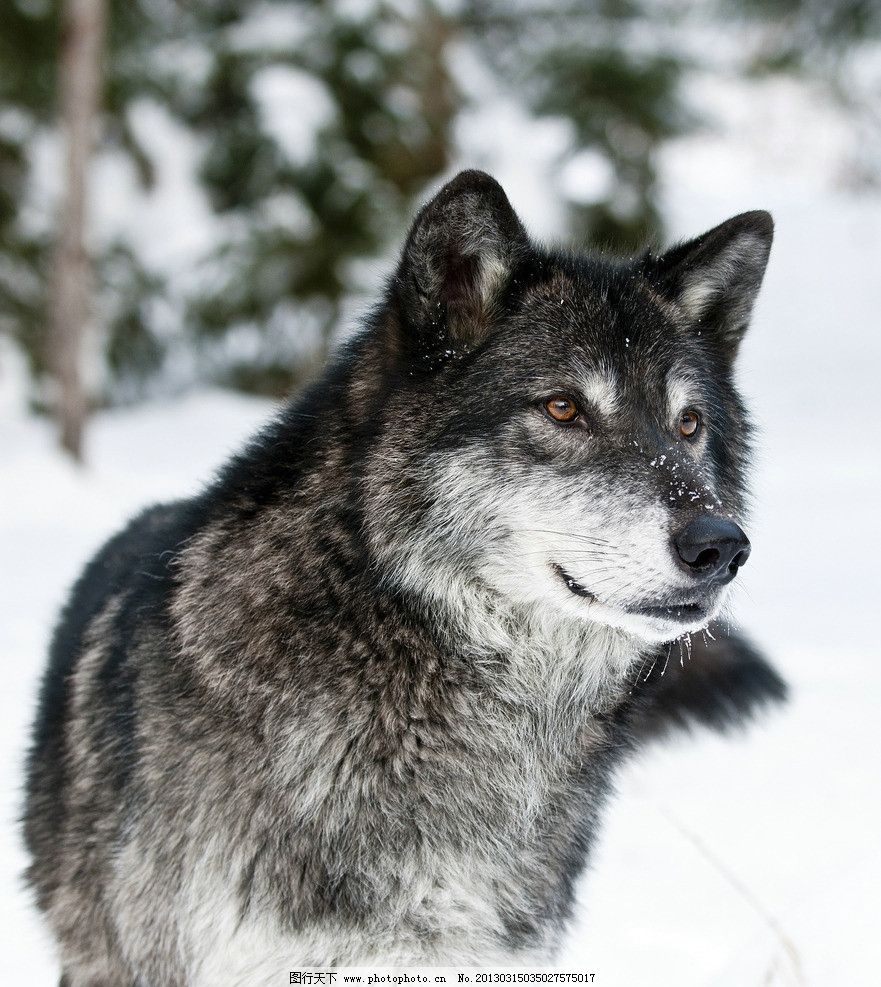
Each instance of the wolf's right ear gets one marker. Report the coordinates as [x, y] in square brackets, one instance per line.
[456, 262]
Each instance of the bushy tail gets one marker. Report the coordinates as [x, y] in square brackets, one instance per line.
[719, 682]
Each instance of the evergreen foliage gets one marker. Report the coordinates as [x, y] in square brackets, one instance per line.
[318, 124]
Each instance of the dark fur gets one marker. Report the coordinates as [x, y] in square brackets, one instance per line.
[210, 626]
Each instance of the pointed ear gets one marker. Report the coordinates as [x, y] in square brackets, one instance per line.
[713, 280]
[457, 260]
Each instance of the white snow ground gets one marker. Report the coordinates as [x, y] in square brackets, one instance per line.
[750, 860]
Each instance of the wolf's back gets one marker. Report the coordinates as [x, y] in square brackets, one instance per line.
[133, 567]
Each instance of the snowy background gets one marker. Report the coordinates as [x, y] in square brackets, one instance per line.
[751, 860]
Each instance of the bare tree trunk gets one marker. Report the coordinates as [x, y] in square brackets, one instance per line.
[79, 92]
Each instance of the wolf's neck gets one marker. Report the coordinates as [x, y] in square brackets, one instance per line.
[531, 654]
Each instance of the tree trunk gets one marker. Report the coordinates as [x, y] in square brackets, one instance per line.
[79, 84]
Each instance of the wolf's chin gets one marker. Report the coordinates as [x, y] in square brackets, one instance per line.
[657, 630]
[651, 629]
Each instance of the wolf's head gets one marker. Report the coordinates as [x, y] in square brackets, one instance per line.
[562, 433]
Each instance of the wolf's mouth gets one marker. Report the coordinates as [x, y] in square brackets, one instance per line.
[685, 612]
[573, 585]
[673, 612]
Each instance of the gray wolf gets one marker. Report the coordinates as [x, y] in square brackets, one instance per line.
[362, 699]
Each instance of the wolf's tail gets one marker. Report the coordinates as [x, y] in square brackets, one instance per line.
[720, 682]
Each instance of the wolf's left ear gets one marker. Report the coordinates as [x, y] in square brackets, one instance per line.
[713, 280]
[457, 260]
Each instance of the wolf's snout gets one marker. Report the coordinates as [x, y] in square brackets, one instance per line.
[712, 547]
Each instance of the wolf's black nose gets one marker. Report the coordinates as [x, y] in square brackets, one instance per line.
[712, 547]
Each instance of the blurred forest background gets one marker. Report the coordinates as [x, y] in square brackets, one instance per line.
[208, 191]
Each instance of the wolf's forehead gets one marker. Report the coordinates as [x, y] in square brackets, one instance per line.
[610, 340]
[615, 317]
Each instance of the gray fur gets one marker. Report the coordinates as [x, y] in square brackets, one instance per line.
[341, 709]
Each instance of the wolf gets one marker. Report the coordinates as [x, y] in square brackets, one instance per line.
[362, 699]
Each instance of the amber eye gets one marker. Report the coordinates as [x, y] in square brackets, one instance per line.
[689, 423]
[561, 409]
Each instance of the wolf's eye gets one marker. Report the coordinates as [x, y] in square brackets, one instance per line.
[561, 409]
[689, 423]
